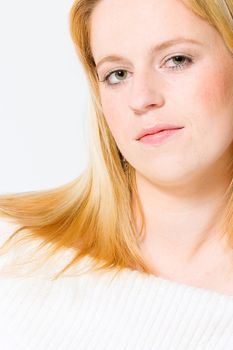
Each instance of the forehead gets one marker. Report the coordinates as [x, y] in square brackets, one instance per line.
[119, 25]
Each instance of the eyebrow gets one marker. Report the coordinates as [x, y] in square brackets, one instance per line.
[153, 49]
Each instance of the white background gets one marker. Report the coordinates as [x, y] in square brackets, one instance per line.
[43, 97]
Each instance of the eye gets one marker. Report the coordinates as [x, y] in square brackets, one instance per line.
[119, 74]
[181, 61]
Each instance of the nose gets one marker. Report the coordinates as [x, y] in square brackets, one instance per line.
[145, 93]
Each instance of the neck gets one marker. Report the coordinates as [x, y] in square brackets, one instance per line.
[183, 224]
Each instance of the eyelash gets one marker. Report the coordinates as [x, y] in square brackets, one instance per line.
[106, 78]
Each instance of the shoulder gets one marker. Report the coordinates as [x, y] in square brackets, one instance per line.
[7, 228]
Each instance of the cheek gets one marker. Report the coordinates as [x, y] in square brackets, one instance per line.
[214, 92]
[212, 119]
[211, 96]
[116, 115]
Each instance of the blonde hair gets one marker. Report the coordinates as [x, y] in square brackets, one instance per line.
[93, 215]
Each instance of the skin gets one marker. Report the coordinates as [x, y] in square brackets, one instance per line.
[182, 181]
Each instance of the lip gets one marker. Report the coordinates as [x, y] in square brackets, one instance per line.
[160, 137]
[156, 129]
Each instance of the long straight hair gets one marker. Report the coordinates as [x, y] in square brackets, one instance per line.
[93, 215]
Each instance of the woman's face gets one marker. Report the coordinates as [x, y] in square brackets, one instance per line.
[193, 90]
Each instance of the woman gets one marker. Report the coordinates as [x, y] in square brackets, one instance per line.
[154, 207]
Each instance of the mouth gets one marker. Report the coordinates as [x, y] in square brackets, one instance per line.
[156, 129]
[160, 136]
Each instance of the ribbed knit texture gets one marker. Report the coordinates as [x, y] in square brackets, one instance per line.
[132, 311]
[107, 311]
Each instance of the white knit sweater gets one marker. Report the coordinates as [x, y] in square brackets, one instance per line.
[104, 311]
[132, 311]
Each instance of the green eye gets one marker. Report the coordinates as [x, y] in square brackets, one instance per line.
[118, 76]
[121, 75]
[179, 61]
